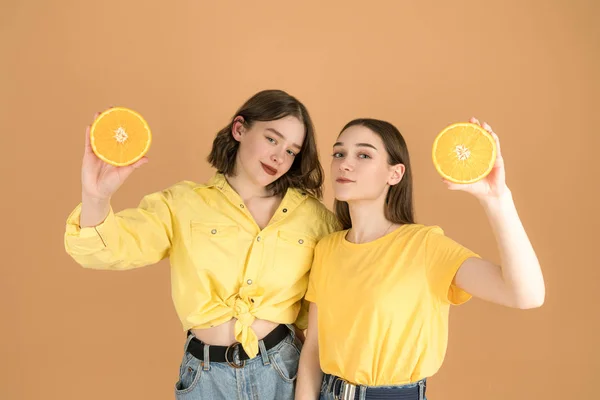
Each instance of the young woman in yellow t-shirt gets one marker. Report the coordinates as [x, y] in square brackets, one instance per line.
[383, 286]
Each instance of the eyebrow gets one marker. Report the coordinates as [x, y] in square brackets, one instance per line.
[283, 137]
[357, 145]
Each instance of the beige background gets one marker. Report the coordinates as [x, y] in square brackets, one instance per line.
[529, 68]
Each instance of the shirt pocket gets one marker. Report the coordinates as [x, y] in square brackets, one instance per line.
[294, 250]
[214, 246]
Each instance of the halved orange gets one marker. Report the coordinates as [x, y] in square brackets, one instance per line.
[120, 136]
[464, 152]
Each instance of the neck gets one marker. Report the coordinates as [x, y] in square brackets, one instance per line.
[368, 221]
[243, 185]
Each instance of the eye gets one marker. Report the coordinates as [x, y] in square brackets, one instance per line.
[337, 155]
[364, 156]
[270, 139]
[291, 153]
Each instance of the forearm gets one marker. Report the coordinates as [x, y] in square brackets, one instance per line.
[521, 270]
[132, 238]
[93, 211]
[309, 373]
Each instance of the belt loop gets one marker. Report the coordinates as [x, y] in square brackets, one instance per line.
[206, 362]
[421, 391]
[292, 330]
[187, 341]
[362, 392]
[263, 352]
[329, 383]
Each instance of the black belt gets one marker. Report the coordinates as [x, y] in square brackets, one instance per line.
[225, 353]
[346, 391]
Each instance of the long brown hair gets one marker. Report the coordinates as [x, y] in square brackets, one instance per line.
[398, 207]
[306, 172]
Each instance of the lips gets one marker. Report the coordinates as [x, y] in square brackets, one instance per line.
[343, 180]
[269, 170]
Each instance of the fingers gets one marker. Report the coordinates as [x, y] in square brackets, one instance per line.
[128, 170]
[452, 185]
[139, 162]
[488, 128]
[88, 145]
[474, 120]
[87, 138]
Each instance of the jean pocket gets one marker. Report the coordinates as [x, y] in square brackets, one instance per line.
[285, 360]
[189, 374]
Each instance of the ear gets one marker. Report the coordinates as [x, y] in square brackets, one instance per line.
[238, 128]
[397, 172]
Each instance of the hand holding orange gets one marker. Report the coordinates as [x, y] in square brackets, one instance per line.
[467, 155]
[464, 153]
[120, 136]
[115, 145]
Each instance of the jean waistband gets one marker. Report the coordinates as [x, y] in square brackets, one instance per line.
[344, 390]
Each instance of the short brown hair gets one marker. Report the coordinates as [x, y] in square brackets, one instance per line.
[399, 207]
[306, 172]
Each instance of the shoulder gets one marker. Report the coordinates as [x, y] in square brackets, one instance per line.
[418, 237]
[316, 212]
[324, 213]
[184, 186]
[179, 189]
[424, 231]
[331, 241]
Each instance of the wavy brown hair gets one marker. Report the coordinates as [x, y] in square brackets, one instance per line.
[306, 172]
[399, 207]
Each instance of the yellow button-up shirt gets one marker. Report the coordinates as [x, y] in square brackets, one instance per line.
[223, 265]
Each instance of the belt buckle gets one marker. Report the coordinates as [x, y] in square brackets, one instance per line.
[232, 362]
[347, 391]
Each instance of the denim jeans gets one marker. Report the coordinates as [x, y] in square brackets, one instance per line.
[271, 375]
[361, 391]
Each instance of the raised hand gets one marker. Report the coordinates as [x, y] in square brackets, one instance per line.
[494, 184]
[100, 180]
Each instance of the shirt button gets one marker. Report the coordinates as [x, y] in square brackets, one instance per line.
[213, 231]
[258, 239]
[284, 210]
[249, 281]
[300, 241]
[241, 205]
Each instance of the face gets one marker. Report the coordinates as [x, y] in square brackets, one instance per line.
[360, 169]
[268, 149]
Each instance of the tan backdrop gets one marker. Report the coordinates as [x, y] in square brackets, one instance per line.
[529, 68]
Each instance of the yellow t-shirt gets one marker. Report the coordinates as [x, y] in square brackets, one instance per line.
[223, 265]
[383, 305]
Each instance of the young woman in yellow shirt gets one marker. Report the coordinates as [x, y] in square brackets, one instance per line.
[380, 290]
[240, 247]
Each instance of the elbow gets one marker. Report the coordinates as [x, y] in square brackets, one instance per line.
[530, 302]
[529, 305]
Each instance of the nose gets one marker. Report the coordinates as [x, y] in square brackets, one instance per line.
[345, 165]
[277, 157]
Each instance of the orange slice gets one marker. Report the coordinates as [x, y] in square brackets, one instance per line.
[464, 153]
[120, 136]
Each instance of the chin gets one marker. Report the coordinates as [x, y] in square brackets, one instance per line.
[263, 179]
[343, 195]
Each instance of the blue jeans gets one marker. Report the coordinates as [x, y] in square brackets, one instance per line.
[384, 392]
[271, 375]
